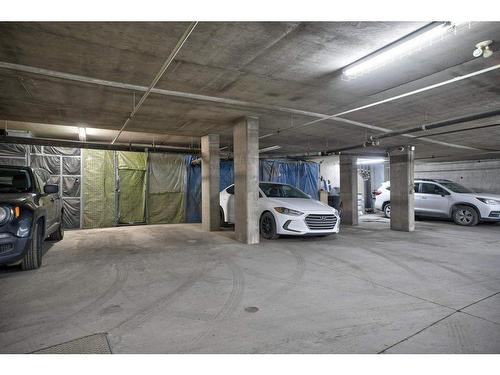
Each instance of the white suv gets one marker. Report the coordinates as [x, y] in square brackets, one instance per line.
[446, 199]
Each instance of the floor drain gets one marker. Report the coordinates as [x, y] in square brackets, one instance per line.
[93, 344]
[251, 309]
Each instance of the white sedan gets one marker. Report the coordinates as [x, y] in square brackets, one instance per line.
[284, 209]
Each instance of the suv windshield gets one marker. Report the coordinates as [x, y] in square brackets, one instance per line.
[282, 191]
[456, 188]
[14, 180]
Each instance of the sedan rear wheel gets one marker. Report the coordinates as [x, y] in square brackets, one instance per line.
[268, 226]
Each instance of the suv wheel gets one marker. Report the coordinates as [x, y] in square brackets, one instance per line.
[465, 215]
[58, 235]
[33, 258]
[268, 226]
[387, 210]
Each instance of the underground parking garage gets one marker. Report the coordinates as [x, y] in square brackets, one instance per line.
[249, 187]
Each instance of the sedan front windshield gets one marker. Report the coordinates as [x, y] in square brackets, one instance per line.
[282, 191]
[14, 180]
[456, 188]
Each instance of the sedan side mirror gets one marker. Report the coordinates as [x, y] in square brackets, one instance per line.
[51, 189]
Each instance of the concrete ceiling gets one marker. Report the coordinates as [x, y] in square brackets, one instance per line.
[293, 65]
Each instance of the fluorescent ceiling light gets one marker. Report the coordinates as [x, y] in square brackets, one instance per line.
[271, 148]
[82, 134]
[400, 50]
[370, 161]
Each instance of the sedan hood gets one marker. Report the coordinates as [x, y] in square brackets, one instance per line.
[301, 204]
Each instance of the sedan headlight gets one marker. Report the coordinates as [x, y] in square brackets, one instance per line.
[288, 211]
[488, 200]
[5, 215]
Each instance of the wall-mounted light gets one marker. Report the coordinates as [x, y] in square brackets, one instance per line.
[370, 161]
[399, 50]
[82, 134]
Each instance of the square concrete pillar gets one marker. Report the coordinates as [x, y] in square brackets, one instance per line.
[402, 189]
[349, 189]
[210, 181]
[246, 179]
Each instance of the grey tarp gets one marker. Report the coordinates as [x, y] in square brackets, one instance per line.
[167, 188]
[98, 190]
[71, 186]
[60, 150]
[71, 165]
[132, 182]
[71, 213]
[7, 149]
[19, 162]
[50, 163]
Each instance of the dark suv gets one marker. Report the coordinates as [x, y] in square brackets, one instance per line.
[30, 211]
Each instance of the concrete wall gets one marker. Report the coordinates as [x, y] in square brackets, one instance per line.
[329, 168]
[479, 175]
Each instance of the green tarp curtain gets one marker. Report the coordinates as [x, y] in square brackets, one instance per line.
[99, 208]
[132, 185]
[167, 176]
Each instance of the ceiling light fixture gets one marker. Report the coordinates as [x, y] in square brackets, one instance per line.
[483, 48]
[270, 148]
[370, 161]
[82, 134]
[399, 50]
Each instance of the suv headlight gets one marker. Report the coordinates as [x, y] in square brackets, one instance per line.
[488, 200]
[5, 215]
[288, 211]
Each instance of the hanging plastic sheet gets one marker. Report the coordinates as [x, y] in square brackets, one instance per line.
[71, 165]
[132, 186]
[132, 160]
[15, 161]
[308, 176]
[167, 175]
[193, 191]
[132, 201]
[8, 149]
[99, 207]
[71, 186]
[60, 150]
[71, 213]
[35, 149]
[51, 164]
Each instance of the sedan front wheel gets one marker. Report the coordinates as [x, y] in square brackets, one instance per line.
[268, 226]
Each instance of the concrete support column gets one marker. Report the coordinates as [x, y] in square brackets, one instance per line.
[210, 181]
[402, 189]
[349, 189]
[246, 179]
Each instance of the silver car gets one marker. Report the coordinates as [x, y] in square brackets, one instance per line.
[446, 199]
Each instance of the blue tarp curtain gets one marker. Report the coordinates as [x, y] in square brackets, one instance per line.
[303, 175]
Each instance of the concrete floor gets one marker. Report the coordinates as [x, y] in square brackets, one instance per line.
[176, 289]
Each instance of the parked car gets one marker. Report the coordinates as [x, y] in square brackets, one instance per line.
[446, 199]
[30, 211]
[284, 209]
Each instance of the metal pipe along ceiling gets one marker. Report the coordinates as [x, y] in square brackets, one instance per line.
[407, 132]
[164, 67]
[97, 145]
